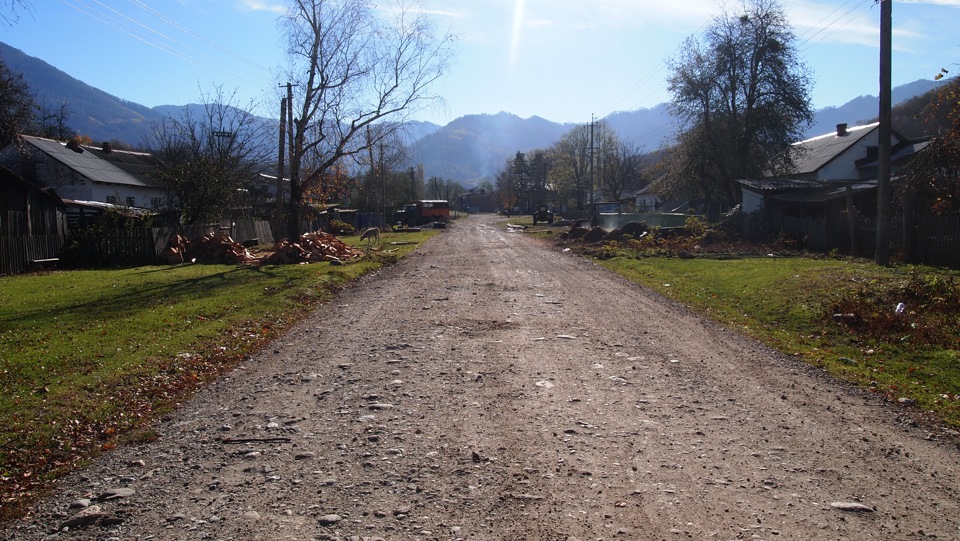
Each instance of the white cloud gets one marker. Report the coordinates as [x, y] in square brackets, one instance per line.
[256, 5]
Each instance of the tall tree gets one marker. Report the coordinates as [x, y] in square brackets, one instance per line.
[572, 166]
[17, 106]
[520, 173]
[352, 68]
[932, 178]
[622, 170]
[743, 96]
[208, 159]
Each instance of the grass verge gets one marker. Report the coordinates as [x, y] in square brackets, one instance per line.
[838, 314]
[89, 358]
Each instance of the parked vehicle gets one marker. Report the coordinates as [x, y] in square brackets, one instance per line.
[424, 211]
[543, 214]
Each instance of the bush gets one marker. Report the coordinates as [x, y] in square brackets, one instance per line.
[338, 227]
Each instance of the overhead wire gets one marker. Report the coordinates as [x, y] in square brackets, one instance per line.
[159, 40]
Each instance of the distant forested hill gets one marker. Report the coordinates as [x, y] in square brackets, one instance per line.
[466, 150]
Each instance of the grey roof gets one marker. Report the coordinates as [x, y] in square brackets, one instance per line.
[771, 185]
[816, 152]
[827, 192]
[905, 151]
[92, 164]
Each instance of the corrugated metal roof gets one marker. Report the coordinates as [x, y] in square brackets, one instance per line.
[829, 192]
[141, 165]
[814, 153]
[779, 184]
[88, 164]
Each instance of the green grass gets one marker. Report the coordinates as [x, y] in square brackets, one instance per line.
[790, 304]
[88, 358]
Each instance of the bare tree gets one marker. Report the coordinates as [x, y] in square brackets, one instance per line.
[350, 69]
[622, 171]
[208, 158]
[10, 10]
[53, 122]
[572, 164]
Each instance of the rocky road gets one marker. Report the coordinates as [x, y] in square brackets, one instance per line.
[491, 387]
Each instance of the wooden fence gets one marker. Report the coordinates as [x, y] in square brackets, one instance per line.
[18, 252]
[119, 247]
[936, 239]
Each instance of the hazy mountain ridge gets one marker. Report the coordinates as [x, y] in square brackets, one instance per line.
[467, 149]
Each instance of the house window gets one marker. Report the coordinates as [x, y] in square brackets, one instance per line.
[131, 201]
[155, 202]
[112, 199]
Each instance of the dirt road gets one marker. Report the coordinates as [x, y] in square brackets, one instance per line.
[489, 387]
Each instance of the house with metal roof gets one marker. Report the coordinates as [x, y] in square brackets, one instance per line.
[86, 173]
[826, 164]
[830, 196]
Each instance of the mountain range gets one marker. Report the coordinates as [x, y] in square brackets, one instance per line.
[468, 149]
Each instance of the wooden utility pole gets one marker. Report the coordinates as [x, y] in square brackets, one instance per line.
[882, 256]
[591, 165]
[293, 218]
[278, 227]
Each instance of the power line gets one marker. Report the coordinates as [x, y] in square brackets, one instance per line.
[152, 37]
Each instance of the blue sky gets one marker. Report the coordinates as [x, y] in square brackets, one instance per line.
[562, 60]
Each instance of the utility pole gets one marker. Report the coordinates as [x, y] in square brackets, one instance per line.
[883, 171]
[293, 220]
[278, 226]
[591, 164]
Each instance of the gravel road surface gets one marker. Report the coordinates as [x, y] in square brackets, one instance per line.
[491, 387]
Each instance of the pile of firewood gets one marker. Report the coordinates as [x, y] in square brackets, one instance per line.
[312, 247]
[210, 248]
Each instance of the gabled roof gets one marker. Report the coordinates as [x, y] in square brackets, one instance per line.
[899, 153]
[127, 169]
[814, 153]
[826, 192]
[6, 175]
[774, 185]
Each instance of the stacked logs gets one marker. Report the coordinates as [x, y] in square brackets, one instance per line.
[312, 247]
[210, 249]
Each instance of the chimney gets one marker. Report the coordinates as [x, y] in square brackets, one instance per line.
[841, 129]
[107, 147]
[74, 146]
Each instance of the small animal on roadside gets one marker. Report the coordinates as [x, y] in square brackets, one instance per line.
[371, 235]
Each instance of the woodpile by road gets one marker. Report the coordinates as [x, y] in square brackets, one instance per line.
[312, 247]
[219, 248]
[209, 249]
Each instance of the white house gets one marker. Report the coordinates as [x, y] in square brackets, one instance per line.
[85, 173]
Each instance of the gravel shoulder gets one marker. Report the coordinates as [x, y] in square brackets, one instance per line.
[491, 387]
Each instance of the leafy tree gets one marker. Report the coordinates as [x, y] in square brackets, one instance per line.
[352, 69]
[16, 105]
[506, 188]
[207, 160]
[520, 173]
[932, 179]
[539, 178]
[743, 96]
